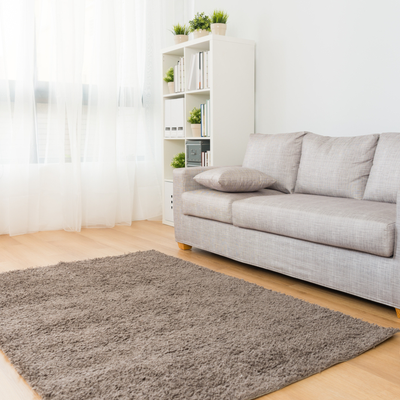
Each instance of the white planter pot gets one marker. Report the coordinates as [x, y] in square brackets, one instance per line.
[218, 29]
[171, 87]
[196, 130]
[180, 38]
[200, 33]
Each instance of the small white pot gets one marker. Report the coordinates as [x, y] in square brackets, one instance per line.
[218, 29]
[171, 87]
[198, 33]
[180, 38]
[196, 130]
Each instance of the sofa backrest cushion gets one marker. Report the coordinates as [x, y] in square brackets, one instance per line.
[277, 156]
[335, 166]
[384, 179]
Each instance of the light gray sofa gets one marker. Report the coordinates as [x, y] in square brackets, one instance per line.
[330, 218]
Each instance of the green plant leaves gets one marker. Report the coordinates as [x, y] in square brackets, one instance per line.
[180, 29]
[200, 21]
[195, 116]
[169, 75]
[219, 17]
[178, 161]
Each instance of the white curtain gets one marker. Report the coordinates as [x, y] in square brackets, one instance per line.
[79, 113]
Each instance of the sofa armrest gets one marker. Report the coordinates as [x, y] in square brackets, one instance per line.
[396, 253]
[184, 182]
[183, 179]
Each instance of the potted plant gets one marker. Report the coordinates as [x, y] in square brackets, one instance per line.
[178, 161]
[218, 22]
[181, 33]
[195, 121]
[169, 78]
[200, 25]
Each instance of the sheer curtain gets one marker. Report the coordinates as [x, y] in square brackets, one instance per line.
[79, 115]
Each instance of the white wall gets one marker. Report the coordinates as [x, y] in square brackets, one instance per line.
[327, 66]
[176, 11]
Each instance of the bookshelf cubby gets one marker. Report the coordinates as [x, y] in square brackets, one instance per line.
[231, 95]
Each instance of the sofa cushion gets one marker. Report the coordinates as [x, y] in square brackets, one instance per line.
[234, 179]
[384, 179]
[335, 166]
[211, 204]
[277, 156]
[361, 225]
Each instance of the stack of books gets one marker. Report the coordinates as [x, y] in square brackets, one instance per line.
[205, 119]
[179, 76]
[205, 158]
[199, 78]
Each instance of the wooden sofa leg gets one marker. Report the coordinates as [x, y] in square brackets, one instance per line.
[398, 312]
[183, 246]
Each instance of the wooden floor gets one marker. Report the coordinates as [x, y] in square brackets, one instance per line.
[373, 375]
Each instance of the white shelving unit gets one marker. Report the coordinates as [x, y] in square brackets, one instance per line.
[231, 94]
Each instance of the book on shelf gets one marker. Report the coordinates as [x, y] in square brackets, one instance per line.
[201, 70]
[202, 120]
[197, 71]
[199, 77]
[208, 117]
[191, 83]
[205, 158]
[182, 75]
[205, 120]
[206, 69]
[176, 81]
[179, 76]
[205, 128]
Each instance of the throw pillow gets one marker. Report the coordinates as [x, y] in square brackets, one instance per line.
[276, 155]
[336, 166]
[234, 179]
[384, 179]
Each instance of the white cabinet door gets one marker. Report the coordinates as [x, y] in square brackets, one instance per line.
[168, 201]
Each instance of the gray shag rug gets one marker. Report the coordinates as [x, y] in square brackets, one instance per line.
[149, 326]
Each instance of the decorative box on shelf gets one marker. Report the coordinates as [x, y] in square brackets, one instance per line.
[194, 151]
